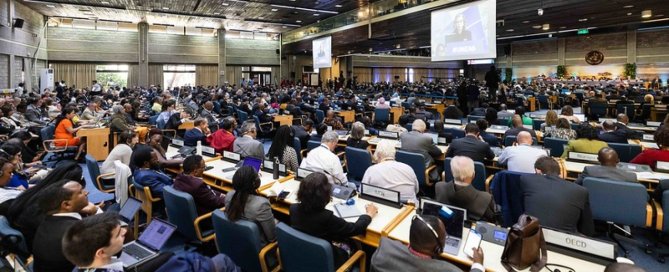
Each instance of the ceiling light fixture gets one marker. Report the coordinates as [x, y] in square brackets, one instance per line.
[510, 30]
[316, 14]
[275, 10]
[225, 4]
[50, 6]
[536, 26]
[298, 21]
[166, 8]
[526, 22]
[583, 20]
[546, 27]
[629, 13]
[647, 13]
[540, 12]
[305, 9]
[628, 6]
[338, 6]
[104, 2]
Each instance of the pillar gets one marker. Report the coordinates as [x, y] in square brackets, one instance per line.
[222, 61]
[631, 46]
[143, 32]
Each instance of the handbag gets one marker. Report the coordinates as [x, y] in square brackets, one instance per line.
[525, 245]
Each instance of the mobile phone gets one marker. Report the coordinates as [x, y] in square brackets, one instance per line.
[229, 169]
[283, 194]
[473, 241]
[207, 168]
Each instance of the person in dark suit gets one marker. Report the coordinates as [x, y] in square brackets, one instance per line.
[471, 146]
[198, 133]
[310, 216]
[65, 202]
[488, 138]
[517, 123]
[303, 132]
[460, 193]
[557, 203]
[416, 141]
[190, 181]
[622, 129]
[176, 120]
[610, 135]
[608, 158]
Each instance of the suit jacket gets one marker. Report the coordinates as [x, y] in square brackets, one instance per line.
[613, 137]
[471, 147]
[515, 131]
[47, 246]
[248, 147]
[415, 141]
[193, 135]
[206, 199]
[258, 210]
[393, 256]
[209, 116]
[301, 134]
[173, 122]
[606, 172]
[154, 179]
[325, 225]
[628, 133]
[479, 205]
[557, 203]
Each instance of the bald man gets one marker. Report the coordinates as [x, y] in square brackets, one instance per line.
[426, 239]
[517, 123]
[521, 156]
[621, 128]
[609, 133]
[608, 160]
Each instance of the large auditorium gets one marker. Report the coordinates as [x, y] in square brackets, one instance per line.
[332, 135]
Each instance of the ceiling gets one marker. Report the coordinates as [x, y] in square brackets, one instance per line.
[520, 19]
[248, 15]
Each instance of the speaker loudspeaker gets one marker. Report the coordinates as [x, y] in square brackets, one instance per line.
[18, 23]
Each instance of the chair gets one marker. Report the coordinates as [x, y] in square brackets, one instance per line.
[509, 140]
[161, 123]
[49, 143]
[143, 193]
[627, 109]
[626, 152]
[417, 162]
[104, 183]
[181, 212]
[264, 129]
[242, 116]
[556, 145]
[303, 252]
[456, 133]
[662, 223]
[240, 241]
[357, 162]
[297, 145]
[597, 110]
[152, 120]
[320, 115]
[474, 118]
[479, 174]
[381, 117]
[619, 202]
[12, 240]
[536, 124]
[543, 100]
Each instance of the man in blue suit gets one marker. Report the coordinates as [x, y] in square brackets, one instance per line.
[197, 133]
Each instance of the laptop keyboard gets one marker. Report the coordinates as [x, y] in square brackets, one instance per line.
[137, 251]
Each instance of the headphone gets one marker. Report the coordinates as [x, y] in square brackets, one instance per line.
[438, 248]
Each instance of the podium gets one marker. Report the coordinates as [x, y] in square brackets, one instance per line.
[97, 142]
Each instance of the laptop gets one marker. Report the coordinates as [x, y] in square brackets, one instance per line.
[454, 224]
[435, 137]
[148, 245]
[248, 161]
[129, 209]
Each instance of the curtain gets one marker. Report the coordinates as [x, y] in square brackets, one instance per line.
[364, 75]
[156, 74]
[133, 75]
[206, 75]
[79, 75]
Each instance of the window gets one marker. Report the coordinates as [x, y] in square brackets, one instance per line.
[178, 75]
[409, 74]
[112, 75]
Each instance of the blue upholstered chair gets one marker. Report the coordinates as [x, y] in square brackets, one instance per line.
[357, 162]
[556, 145]
[181, 212]
[417, 162]
[626, 152]
[104, 183]
[302, 252]
[241, 242]
[480, 177]
[619, 202]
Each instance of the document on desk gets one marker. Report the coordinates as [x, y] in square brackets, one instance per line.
[649, 175]
[347, 211]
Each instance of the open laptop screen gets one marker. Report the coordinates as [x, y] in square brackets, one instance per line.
[454, 224]
[253, 162]
[156, 234]
[130, 208]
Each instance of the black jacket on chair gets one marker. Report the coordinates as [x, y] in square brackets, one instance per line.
[557, 203]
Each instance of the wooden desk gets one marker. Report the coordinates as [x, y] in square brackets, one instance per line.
[97, 142]
[492, 252]
[187, 125]
[347, 116]
[220, 180]
[396, 112]
[283, 120]
[381, 223]
[644, 145]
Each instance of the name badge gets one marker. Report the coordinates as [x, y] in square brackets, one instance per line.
[499, 127]
[232, 156]
[303, 173]
[269, 165]
[208, 150]
[178, 142]
[648, 137]
[381, 193]
[653, 124]
[441, 140]
[580, 243]
[388, 134]
[664, 166]
[453, 121]
[583, 156]
[367, 132]
[528, 127]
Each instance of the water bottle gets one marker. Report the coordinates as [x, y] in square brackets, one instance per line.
[275, 168]
[198, 148]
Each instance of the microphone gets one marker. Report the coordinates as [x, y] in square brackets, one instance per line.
[339, 181]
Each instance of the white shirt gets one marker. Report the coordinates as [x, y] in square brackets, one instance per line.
[121, 152]
[521, 158]
[393, 175]
[8, 193]
[321, 159]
